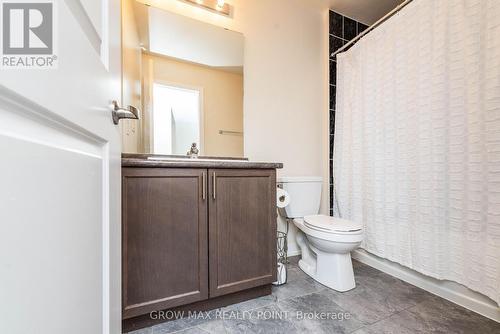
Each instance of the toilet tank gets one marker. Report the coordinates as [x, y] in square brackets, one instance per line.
[305, 195]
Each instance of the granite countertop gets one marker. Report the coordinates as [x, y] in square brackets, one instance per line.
[159, 161]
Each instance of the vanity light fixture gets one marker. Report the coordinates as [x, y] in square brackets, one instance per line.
[218, 6]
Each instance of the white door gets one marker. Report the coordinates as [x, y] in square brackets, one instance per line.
[60, 180]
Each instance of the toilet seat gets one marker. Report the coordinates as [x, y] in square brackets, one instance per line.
[331, 224]
[337, 236]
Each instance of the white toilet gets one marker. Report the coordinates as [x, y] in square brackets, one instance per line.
[325, 242]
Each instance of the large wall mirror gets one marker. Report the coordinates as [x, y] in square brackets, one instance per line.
[187, 78]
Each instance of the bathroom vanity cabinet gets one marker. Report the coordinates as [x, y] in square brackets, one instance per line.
[165, 239]
[242, 225]
[196, 232]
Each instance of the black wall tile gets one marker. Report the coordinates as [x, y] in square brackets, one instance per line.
[336, 25]
[332, 126]
[333, 97]
[331, 146]
[331, 198]
[343, 28]
[350, 28]
[333, 72]
[335, 44]
[331, 201]
[361, 27]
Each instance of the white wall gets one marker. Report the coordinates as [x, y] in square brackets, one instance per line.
[285, 81]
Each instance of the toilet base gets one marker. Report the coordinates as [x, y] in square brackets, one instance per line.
[332, 270]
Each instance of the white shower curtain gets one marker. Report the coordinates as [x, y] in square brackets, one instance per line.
[417, 140]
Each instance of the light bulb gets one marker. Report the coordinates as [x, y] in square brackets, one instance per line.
[199, 2]
[220, 3]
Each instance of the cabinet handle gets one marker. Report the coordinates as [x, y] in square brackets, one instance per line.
[214, 184]
[204, 186]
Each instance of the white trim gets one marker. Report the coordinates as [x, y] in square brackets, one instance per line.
[106, 241]
[448, 290]
[293, 252]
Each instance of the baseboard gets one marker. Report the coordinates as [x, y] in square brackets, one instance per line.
[451, 291]
[293, 252]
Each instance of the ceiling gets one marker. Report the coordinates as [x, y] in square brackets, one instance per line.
[365, 11]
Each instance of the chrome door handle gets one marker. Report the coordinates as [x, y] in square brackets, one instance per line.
[119, 113]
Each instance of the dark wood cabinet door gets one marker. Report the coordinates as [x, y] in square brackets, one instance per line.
[242, 229]
[165, 238]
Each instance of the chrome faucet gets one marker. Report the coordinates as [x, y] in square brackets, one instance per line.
[193, 151]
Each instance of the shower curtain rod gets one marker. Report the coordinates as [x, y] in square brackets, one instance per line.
[373, 26]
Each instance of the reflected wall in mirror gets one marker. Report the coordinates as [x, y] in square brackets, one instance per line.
[187, 77]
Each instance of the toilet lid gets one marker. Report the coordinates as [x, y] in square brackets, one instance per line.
[331, 224]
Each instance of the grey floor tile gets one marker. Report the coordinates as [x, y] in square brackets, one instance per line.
[295, 274]
[214, 327]
[148, 330]
[363, 330]
[190, 321]
[298, 288]
[379, 304]
[199, 318]
[377, 295]
[434, 316]
[252, 304]
[362, 270]
[294, 260]
[169, 327]
[364, 303]
[317, 313]
[394, 293]
[440, 314]
[266, 320]
[399, 323]
[193, 330]
[298, 284]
